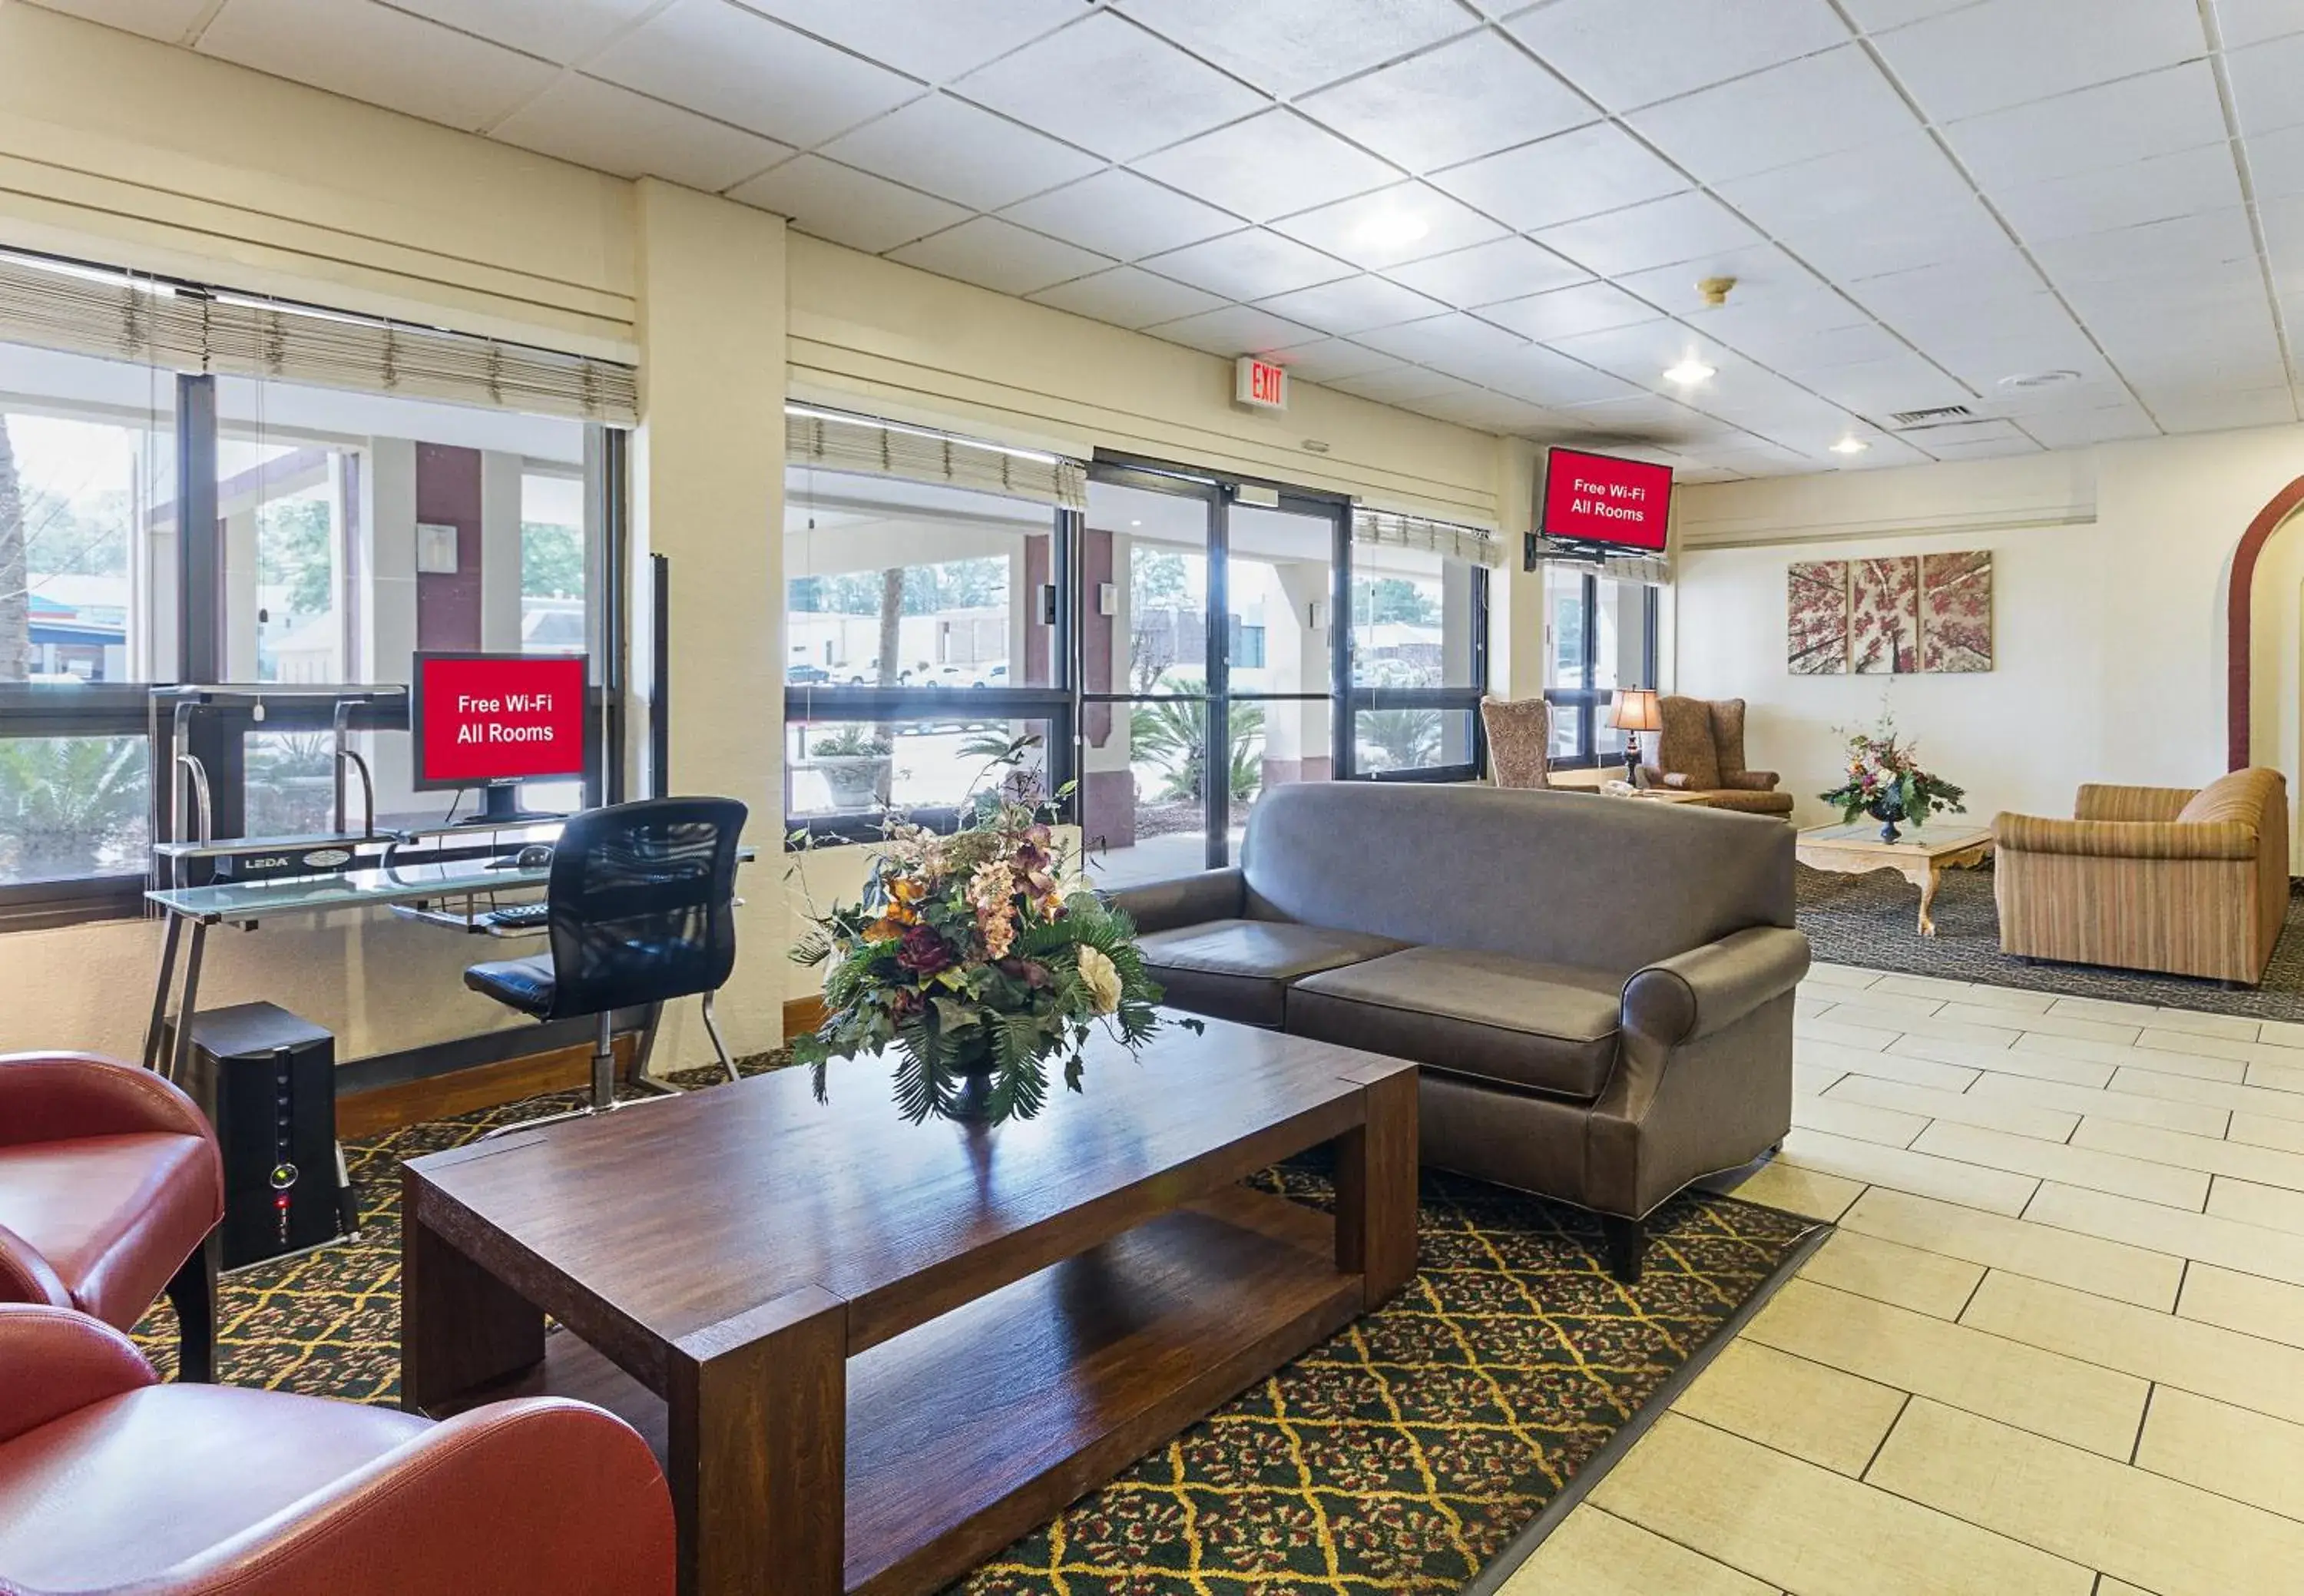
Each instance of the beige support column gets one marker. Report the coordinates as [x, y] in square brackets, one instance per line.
[707, 491]
[500, 552]
[1516, 595]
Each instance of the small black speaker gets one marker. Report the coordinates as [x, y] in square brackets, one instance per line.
[268, 1082]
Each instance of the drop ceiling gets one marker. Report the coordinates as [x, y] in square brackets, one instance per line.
[1488, 211]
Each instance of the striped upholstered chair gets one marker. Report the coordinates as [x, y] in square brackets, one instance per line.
[2161, 878]
[1520, 740]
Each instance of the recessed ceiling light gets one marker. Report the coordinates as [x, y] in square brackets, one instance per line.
[2039, 379]
[1690, 372]
[1136, 524]
[1392, 229]
[1850, 445]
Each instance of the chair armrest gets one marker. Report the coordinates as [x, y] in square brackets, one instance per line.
[1750, 781]
[27, 1277]
[54, 1362]
[2098, 802]
[535, 1498]
[1187, 900]
[1657, 777]
[59, 1097]
[1692, 995]
[2124, 839]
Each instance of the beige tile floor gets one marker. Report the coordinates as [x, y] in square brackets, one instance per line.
[2056, 1346]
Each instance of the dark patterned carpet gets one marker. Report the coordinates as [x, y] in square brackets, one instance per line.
[1871, 919]
[1401, 1456]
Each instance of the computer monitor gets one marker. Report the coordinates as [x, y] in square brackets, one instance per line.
[495, 720]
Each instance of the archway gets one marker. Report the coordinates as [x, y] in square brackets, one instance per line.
[2239, 618]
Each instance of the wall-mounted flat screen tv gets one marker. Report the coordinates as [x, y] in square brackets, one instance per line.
[1604, 499]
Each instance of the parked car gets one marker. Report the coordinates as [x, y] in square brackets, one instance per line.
[804, 675]
[868, 674]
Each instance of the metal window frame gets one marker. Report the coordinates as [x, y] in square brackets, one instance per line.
[1587, 700]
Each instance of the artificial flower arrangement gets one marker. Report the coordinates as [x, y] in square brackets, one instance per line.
[981, 956]
[1887, 782]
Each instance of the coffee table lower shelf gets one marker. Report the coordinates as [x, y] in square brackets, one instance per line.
[971, 1429]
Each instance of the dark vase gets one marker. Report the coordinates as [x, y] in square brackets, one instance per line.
[1887, 808]
[976, 1068]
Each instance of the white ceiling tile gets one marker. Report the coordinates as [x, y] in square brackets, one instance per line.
[1995, 446]
[1468, 98]
[2150, 190]
[170, 21]
[1127, 296]
[2283, 240]
[2157, 113]
[1000, 255]
[2217, 244]
[1893, 240]
[968, 155]
[2275, 163]
[1955, 285]
[1641, 352]
[370, 52]
[1107, 85]
[561, 30]
[1439, 340]
[1767, 282]
[740, 67]
[1269, 165]
[1507, 268]
[1119, 214]
[1659, 233]
[935, 39]
[1407, 222]
[1629, 55]
[2261, 407]
[1819, 106]
[2243, 22]
[1330, 360]
[846, 206]
[1910, 170]
[1250, 265]
[2265, 82]
[597, 125]
[1403, 384]
[1565, 312]
[1560, 179]
[1235, 330]
[1883, 386]
[1799, 351]
[1664, 420]
[2080, 429]
[1486, 411]
[2005, 53]
[1288, 46]
[1877, 16]
[1353, 305]
[1542, 376]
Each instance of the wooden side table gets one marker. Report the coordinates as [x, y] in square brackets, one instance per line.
[1919, 857]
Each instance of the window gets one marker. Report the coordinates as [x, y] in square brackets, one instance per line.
[1600, 635]
[299, 506]
[924, 629]
[1419, 659]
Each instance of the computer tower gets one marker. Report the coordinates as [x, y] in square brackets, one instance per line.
[268, 1082]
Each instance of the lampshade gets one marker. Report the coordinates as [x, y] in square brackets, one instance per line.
[1635, 711]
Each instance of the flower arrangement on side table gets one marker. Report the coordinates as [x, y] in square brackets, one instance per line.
[1886, 781]
[981, 956]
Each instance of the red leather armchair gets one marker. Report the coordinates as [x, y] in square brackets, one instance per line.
[112, 1481]
[110, 1181]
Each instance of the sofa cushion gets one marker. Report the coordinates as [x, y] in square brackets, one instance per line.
[1547, 1027]
[1240, 969]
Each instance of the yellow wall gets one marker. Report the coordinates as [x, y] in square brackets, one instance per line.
[119, 149]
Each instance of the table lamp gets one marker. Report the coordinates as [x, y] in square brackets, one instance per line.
[1635, 711]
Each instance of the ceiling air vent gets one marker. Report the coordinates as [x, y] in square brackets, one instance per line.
[1905, 419]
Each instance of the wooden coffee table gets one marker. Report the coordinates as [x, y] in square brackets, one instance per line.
[872, 1354]
[1921, 857]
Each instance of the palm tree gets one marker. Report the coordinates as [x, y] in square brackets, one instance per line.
[65, 803]
[16, 571]
[1174, 733]
[1407, 738]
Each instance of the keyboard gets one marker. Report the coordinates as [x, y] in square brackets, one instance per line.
[519, 917]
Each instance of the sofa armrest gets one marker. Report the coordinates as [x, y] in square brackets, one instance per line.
[2124, 839]
[2099, 801]
[27, 1277]
[59, 1097]
[540, 1496]
[1187, 900]
[1692, 995]
[54, 1362]
[1750, 781]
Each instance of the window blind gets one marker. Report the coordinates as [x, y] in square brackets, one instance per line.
[188, 327]
[1651, 568]
[845, 443]
[1471, 543]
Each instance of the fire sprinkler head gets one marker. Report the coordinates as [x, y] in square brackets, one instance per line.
[1714, 289]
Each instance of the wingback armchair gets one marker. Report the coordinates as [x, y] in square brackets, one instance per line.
[110, 1182]
[1701, 750]
[1520, 740]
[2165, 878]
[112, 1483]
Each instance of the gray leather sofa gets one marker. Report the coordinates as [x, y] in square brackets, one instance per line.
[1600, 991]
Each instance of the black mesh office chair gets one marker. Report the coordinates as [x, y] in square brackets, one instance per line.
[643, 911]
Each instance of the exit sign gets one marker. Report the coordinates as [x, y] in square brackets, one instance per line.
[1259, 383]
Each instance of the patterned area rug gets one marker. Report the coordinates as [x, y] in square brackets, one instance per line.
[1401, 1456]
[1870, 921]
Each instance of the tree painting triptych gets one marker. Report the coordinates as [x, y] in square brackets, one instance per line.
[1889, 617]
